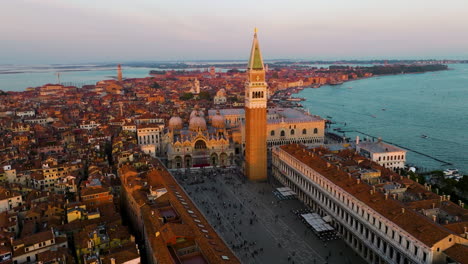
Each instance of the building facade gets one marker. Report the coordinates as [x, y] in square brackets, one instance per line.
[384, 154]
[150, 138]
[220, 97]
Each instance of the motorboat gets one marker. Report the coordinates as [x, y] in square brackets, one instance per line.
[450, 171]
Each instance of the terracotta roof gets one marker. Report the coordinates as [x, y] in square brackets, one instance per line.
[458, 252]
[193, 223]
[93, 190]
[121, 255]
[412, 222]
[458, 228]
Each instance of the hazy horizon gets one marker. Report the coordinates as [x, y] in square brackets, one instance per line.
[86, 31]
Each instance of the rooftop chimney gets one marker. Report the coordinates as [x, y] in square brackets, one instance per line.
[357, 140]
[434, 218]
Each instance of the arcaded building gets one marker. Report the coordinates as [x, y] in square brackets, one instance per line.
[384, 217]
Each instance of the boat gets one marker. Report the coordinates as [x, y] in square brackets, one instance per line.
[336, 82]
[383, 109]
[295, 99]
[337, 129]
[329, 117]
[424, 136]
[450, 171]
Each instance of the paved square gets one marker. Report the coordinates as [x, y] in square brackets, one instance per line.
[255, 224]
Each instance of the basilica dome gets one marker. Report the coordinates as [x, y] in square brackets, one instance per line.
[218, 121]
[175, 123]
[197, 123]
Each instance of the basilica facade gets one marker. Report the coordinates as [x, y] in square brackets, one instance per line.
[198, 144]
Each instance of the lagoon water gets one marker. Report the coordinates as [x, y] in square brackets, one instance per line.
[402, 108]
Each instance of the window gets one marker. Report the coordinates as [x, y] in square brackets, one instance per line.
[304, 131]
[292, 131]
[282, 133]
[315, 130]
[272, 133]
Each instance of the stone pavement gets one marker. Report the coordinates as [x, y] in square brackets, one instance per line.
[255, 224]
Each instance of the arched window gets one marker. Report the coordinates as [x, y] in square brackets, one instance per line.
[272, 133]
[282, 133]
[200, 144]
[292, 131]
[315, 130]
[304, 131]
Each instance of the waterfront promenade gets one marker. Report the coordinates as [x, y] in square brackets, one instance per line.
[255, 224]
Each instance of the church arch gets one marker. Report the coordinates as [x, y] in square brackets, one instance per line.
[178, 162]
[223, 159]
[214, 159]
[200, 144]
[188, 161]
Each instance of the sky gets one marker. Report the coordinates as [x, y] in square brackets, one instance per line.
[86, 31]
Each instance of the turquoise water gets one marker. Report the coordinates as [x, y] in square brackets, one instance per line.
[400, 109]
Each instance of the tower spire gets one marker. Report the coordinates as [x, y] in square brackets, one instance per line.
[255, 61]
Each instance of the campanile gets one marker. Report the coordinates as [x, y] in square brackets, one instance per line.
[256, 116]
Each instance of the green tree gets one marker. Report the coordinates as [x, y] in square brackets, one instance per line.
[204, 95]
[186, 96]
[156, 85]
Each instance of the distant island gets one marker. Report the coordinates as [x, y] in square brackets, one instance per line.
[396, 68]
[361, 71]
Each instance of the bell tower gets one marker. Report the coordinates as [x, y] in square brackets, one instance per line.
[119, 73]
[256, 116]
